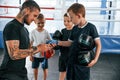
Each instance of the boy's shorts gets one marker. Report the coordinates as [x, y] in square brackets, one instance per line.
[62, 64]
[13, 76]
[36, 62]
[78, 72]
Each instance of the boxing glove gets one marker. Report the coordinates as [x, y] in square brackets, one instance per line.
[57, 35]
[85, 57]
[53, 42]
[48, 54]
[86, 42]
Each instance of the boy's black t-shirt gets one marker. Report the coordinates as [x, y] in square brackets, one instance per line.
[14, 30]
[75, 71]
[65, 36]
[88, 29]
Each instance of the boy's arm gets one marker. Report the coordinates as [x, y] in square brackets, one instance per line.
[65, 43]
[98, 49]
[97, 53]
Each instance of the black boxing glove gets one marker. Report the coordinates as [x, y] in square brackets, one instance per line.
[86, 42]
[57, 35]
[85, 57]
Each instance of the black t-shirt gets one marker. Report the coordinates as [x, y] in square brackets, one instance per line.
[88, 29]
[15, 31]
[65, 36]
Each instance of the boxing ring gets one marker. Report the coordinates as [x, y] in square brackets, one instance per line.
[110, 43]
[5, 15]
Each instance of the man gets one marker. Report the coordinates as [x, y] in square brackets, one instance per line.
[17, 44]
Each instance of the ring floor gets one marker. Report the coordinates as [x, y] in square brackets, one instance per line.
[107, 67]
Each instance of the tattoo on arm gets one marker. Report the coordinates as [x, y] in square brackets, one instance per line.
[22, 54]
[15, 52]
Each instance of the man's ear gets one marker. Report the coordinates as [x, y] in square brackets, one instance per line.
[26, 10]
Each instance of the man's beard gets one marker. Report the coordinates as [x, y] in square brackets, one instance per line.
[25, 19]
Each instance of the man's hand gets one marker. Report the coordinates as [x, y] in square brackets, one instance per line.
[43, 47]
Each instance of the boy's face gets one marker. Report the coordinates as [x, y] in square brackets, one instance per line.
[40, 23]
[75, 18]
[67, 22]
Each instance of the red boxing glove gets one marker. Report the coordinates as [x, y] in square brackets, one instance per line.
[48, 54]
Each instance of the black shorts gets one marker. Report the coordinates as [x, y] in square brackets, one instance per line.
[36, 62]
[11, 76]
[62, 63]
[78, 72]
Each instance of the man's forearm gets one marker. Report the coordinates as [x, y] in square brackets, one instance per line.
[21, 53]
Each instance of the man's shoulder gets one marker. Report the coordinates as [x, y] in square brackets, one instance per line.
[11, 25]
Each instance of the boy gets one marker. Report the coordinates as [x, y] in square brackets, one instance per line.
[64, 51]
[38, 36]
[75, 71]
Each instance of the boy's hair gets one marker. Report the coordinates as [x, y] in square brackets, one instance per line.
[40, 16]
[77, 8]
[31, 5]
[66, 15]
